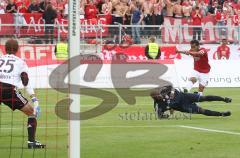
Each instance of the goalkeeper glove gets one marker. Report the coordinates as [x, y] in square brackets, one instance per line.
[37, 109]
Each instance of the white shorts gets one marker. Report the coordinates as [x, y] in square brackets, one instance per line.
[201, 77]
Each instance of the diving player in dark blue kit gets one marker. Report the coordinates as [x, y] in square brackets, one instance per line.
[168, 98]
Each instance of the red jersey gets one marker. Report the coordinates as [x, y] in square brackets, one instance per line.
[205, 1]
[223, 51]
[221, 17]
[23, 9]
[201, 62]
[197, 20]
[91, 11]
[19, 3]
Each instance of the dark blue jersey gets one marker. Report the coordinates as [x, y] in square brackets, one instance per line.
[161, 106]
[184, 102]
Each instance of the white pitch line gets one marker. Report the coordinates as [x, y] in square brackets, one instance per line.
[137, 126]
[210, 130]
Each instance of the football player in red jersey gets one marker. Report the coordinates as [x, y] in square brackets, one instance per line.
[201, 67]
[223, 51]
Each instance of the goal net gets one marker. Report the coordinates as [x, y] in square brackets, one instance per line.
[37, 51]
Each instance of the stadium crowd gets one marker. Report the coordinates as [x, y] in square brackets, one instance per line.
[121, 10]
[33, 6]
[153, 12]
[139, 12]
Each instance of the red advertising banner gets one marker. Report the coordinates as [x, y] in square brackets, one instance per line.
[138, 53]
[39, 55]
[180, 31]
[36, 55]
[90, 28]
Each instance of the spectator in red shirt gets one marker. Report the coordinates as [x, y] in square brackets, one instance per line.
[221, 18]
[19, 18]
[206, 2]
[236, 22]
[107, 10]
[21, 6]
[197, 22]
[223, 51]
[91, 10]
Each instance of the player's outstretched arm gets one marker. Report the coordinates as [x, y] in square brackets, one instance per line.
[182, 52]
[30, 91]
[196, 53]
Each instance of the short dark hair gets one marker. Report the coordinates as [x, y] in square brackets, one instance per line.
[196, 42]
[152, 38]
[11, 46]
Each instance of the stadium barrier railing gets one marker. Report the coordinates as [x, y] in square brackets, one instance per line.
[94, 36]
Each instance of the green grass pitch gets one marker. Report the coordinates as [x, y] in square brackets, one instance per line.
[128, 131]
[52, 130]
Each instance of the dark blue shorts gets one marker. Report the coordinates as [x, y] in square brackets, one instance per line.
[189, 103]
[190, 108]
[189, 98]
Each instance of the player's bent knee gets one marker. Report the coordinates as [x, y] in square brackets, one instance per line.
[28, 110]
[201, 88]
[203, 84]
[193, 79]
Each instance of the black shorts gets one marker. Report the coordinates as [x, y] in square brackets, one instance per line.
[10, 96]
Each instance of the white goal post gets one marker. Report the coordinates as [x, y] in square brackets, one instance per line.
[74, 76]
